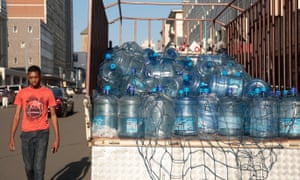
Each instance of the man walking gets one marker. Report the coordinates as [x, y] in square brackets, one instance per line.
[34, 101]
[5, 98]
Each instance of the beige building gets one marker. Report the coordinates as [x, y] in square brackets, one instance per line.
[41, 32]
[84, 40]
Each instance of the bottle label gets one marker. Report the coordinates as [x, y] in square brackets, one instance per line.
[184, 124]
[98, 121]
[289, 126]
[131, 125]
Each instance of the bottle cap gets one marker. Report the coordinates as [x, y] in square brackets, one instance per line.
[155, 54]
[106, 89]
[153, 90]
[203, 84]
[237, 74]
[180, 92]
[224, 72]
[130, 90]
[293, 91]
[190, 63]
[185, 77]
[229, 91]
[257, 91]
[285, 92]
[186, 90]
[205, 90]
[113, 66]
[133, 70]
[278, 93]
[209, 64]
[188, 58]
[263, 89]
[159, 88]
[108, 56]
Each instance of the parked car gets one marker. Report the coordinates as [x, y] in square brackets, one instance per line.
[64, 103]
[11, 96]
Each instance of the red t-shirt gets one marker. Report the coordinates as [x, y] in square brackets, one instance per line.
[35, 103]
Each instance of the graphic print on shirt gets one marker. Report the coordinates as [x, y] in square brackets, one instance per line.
[34, 107]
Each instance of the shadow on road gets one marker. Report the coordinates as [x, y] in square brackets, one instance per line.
[74, 170]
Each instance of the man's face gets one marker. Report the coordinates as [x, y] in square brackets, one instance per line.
[34, 79]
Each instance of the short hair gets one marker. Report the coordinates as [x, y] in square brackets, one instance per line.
[34, 68]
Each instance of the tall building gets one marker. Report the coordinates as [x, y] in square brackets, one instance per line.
[79, 60]
[41, 32]
[202, 31]
[172, 29]
[3, 34]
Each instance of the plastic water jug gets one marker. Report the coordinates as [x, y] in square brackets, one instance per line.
[159, 116]
[263, 115]
[218, 84]
[130, 115]
[170, 53]
[110, 74]
[192, 80]
[289, 115]
[186, 122]
[231, 115]
[105, 118]
[250, 86]
[207, 112]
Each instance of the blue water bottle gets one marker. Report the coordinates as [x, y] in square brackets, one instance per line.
[263, 115]
[105, 116]
[159, 115]
[207, 112]
[231, 115]
[130, 115]
[289, 115]
[186, 122]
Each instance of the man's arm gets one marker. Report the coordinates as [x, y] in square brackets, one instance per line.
[14, 126]
[55, 145]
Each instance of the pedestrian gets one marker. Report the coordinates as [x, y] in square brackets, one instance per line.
[5, 94]
[34, 102]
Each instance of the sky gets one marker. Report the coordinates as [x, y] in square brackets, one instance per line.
[80, 19]
[80, 13]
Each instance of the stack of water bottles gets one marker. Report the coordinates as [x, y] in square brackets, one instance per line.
[146, 94]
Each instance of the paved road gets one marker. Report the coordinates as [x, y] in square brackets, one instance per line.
[71, 162]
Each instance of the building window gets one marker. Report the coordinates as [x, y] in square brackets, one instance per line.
[15, 60]
[15, 29]
[30, 60]
[30, 29]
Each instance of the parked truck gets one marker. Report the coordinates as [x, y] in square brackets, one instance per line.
[263, 36]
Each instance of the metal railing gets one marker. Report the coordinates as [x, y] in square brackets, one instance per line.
[265, 39]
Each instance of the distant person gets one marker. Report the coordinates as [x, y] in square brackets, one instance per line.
[34, 101]
[5, 94]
